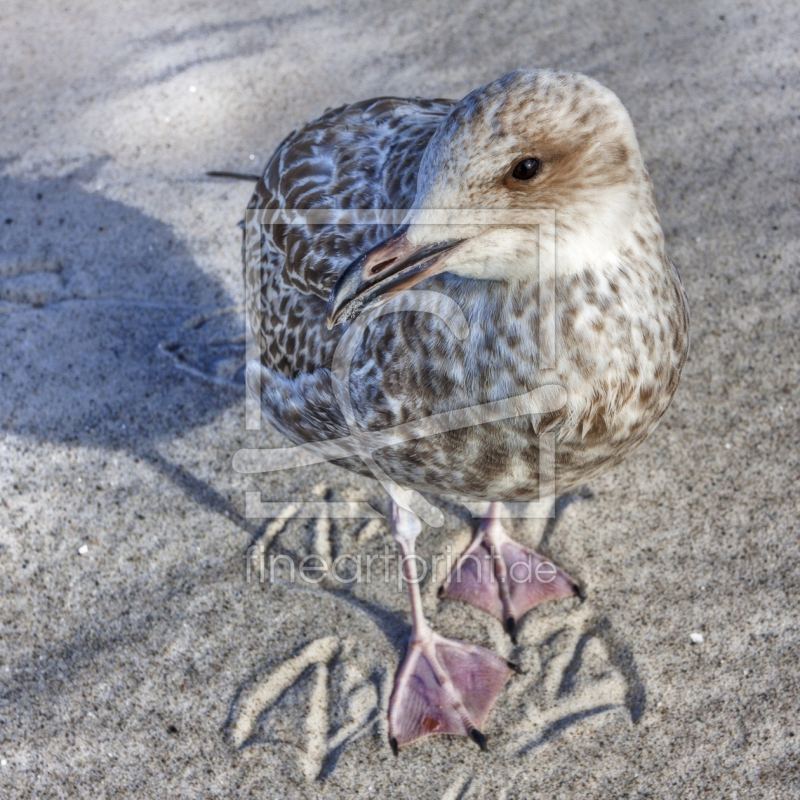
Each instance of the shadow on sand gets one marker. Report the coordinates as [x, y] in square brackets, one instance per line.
[94, 300]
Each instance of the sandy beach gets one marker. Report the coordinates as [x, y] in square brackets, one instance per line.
[156, 636]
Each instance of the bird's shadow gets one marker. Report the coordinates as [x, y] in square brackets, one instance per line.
[95, 297]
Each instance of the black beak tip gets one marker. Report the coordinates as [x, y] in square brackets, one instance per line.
[341, 306]
[330, 311]
[337, 316]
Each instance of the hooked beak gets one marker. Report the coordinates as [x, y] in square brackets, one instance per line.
[388, 269]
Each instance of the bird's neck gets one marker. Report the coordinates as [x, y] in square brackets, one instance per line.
[617, 227]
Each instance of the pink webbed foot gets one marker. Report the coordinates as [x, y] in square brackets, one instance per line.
[445, 686]
[504, 578]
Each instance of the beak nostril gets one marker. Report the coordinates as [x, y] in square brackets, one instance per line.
[382, 265]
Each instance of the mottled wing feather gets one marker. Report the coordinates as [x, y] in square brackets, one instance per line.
[361, 156]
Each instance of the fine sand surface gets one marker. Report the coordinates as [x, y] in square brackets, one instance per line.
[138, 655]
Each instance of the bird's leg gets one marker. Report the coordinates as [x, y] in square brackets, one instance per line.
[503, 578]
[444, 685]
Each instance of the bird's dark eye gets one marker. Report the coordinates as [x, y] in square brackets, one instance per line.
[526, 169]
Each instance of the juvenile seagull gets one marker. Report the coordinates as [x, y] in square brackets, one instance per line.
[530, 140]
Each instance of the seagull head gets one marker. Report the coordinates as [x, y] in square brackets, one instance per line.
[530, 148]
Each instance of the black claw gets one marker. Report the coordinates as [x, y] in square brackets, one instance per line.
[579, 590]
[478, 738]
[440, 592]
[393, 745]
[515, 667]
[511, 628]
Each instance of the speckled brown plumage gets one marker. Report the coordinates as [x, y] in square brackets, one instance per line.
[621, 317]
